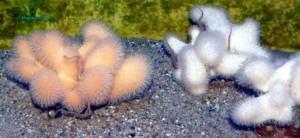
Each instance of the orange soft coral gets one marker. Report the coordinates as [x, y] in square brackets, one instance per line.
[97, 73]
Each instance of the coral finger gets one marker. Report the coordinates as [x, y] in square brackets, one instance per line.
[245, 38]
[193, 33]
[249, 112]
[133, 77]
[210, 47]
[108, 54]
[95, 85]
[194, 76]
[45, 88]
[258, 71]
[23, 69]
[73, 102]
[173, 43]
[87, 46]
[96, 28]
[275, 105]
[35, 36]
[230, 64]
[23, 48]
[213, 18]
[50, 48]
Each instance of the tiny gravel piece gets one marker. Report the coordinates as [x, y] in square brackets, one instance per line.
[169, 112]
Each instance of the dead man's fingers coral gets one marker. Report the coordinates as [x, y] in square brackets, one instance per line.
[242, 37]
[279, 95]
[95, 85]
[49, 48]
[45, 88]
[108, 53]
[245, 38]
[55, 51]
[88, 44]
[257, 71]
[210, 47]
[24, 65]
[22, 47]
[131, 79]
[73, 101]
[173, 44]
[34, 39]
[279, 98]
[246, 112]
[23, 69]
[193, 33]
[230, 64]
[95, 28]
[94, 32]
[60, 72]
[284, 73]
[233, 50]
[214, 18]
[275, 105]
[194, 76]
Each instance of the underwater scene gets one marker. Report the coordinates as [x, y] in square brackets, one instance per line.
[151, 68]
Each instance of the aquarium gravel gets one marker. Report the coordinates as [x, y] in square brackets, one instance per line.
[169, 112]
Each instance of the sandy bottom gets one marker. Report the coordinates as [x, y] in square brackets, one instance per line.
[170, 112]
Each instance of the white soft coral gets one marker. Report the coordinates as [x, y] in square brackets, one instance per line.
[245, 38]
[212, 45]
[219, 47]
[275, 105]
[281, 92]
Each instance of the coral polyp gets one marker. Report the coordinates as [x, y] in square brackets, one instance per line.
[96, 73]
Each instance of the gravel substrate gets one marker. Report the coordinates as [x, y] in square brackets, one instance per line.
[170, 112]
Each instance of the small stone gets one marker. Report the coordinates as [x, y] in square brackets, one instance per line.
[132, 134]
[52, 114]
[132, 127]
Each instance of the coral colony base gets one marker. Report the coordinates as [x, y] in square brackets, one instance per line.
[95, 73]
[219, 47]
